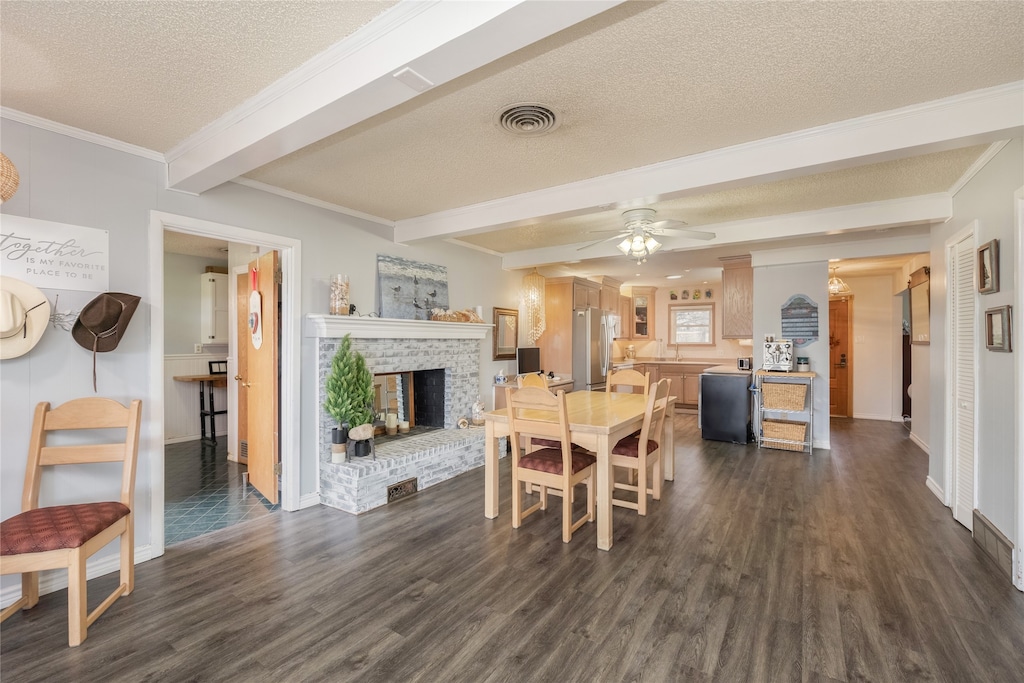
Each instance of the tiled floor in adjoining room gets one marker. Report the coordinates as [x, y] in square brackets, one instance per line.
[204, 491]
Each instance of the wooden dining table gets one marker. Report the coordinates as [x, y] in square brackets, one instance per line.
[597, 420]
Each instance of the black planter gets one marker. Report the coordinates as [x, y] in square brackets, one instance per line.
[339, 434]
[359, 449]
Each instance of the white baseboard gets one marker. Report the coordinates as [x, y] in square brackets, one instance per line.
[308, 500]
[54, 580]
[191, 437]
[936, 489]
[872, 416]
[920, 444]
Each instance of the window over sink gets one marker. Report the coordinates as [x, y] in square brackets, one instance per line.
[691, 324]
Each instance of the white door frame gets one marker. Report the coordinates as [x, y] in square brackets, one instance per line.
[1017, 332]
[971, 231]
[291, 299]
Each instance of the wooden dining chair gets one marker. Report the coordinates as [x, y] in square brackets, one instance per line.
[64, 536]
[536, 412]
[532, 380]
[638, 452]
[629, 378]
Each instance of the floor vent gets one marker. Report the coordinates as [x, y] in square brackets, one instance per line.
[243, 449]
[402, 489]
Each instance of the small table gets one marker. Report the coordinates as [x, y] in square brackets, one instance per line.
[206, 385]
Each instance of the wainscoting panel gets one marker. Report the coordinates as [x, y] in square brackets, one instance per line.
[181, 399]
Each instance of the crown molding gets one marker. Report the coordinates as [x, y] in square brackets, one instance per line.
[79, 134]
[306, 199]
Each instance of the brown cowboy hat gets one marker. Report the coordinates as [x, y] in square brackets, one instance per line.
[103, 321]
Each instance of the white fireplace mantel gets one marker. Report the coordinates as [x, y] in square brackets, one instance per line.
[365, 327]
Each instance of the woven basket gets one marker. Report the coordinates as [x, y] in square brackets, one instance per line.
[785, 430]
[783, 396]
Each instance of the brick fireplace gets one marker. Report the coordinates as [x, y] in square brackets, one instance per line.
[398, 346]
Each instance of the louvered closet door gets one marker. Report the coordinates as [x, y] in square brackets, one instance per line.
[963, 351]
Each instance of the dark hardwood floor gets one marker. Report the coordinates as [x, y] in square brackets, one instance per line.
[756, 566]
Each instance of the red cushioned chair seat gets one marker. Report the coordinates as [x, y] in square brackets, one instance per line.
[550, 460]
[630, 447]
[57, 527]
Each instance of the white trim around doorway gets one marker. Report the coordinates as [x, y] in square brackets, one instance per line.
[291, 327]
[1018, 333]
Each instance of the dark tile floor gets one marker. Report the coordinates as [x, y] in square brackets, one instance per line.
[204, 491]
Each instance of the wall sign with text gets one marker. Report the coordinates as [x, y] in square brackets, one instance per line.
[55, 255]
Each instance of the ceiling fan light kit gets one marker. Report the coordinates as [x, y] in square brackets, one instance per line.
[638, 234]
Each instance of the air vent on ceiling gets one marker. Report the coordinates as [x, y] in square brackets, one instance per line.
[527, 119]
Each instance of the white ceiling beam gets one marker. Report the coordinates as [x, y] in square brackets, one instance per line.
[895, 213]
[365, 75]
[977, 117]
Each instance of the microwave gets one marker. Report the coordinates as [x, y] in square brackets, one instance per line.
[744, 363]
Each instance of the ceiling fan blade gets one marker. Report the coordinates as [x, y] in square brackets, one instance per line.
[692, 234]
[668, 223]
[594, 244]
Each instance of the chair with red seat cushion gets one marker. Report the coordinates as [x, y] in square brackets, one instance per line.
[638, 452]
[65, 536]
[536, 412]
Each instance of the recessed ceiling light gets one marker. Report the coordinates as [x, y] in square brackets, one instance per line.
[833, 260]
[673, 277]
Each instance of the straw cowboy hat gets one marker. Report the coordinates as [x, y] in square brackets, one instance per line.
[24, 314]
[102, 323]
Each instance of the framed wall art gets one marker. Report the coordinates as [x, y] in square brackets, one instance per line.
[988, 267]
[998, 328]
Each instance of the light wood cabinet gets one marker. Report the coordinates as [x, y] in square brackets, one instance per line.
[586, 294]
[625, 317]
[642, 313]
[213, 308]
[609, 293]
[737, 298]
[685, 378]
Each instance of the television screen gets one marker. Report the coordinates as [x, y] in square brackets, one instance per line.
[528, 358]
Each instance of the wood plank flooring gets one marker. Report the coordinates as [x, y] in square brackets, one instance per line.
[757, 565]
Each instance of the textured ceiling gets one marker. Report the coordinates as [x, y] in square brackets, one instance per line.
[640, 84]
[647, 82]
[152, 73]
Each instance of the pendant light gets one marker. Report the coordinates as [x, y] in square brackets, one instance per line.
[533, 305]
[836, 286]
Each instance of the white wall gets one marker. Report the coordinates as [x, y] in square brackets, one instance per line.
[988, 198]
[182, 296]
[874, 336]
[76, 182]
[773, 286]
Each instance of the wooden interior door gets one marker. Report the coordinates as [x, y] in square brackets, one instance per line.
[262, 427]
[840, 357]
[241, 450]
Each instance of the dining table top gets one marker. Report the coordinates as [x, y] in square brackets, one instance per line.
[592, 411]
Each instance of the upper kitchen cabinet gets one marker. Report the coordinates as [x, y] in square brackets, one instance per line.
[737, 298]
[609, 293]
[585, 294]
[625, 317]
[213, 306]
[642, 313]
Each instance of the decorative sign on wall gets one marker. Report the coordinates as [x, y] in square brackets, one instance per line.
[409, 289]
[800, 320]
[55, 255]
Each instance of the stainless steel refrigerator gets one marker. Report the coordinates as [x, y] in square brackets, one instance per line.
[724, 404]
[592, 333]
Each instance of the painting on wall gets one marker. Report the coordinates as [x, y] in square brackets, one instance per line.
[408, 289]
[800, 320]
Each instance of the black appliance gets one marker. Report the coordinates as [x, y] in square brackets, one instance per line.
[724, 404]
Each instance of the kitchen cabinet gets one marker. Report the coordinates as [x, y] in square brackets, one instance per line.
[609, 296]
[213, 308]
[642, 313]
[685, 379]
[625, 317]
[586, 294]
[737, 298]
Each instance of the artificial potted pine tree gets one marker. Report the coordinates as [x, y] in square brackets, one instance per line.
[350, 398]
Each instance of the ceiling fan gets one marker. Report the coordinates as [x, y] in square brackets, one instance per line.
[638, 231]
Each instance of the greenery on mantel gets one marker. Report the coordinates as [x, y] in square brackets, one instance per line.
[349, 387]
